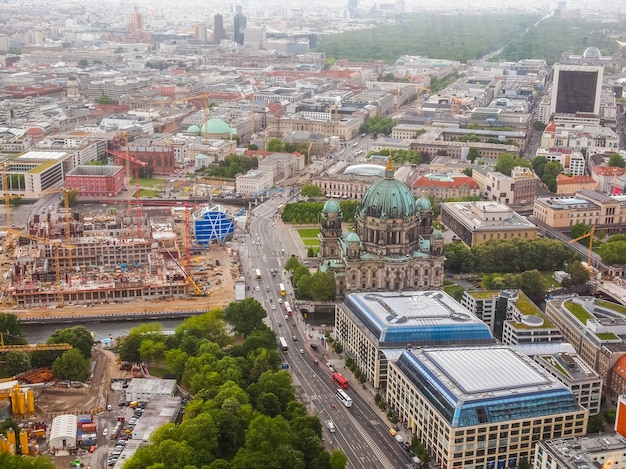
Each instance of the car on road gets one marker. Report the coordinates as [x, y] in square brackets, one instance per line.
[274, 307]
[105, 432]
[330, 367]
[302, 351]
[295, 338]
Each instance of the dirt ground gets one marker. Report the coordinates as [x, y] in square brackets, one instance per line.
[55, 399]
[222, 290]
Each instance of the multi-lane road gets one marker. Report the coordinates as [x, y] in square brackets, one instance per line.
[359, 430]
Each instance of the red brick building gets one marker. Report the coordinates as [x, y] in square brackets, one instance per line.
[96, 181]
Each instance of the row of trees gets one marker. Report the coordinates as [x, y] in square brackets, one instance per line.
[401, 156]
[310, 212]
[231, 166]
[244, 413]
[319, 286]
[378, 125]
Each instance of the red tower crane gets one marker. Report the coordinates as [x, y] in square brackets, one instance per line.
[137, 164]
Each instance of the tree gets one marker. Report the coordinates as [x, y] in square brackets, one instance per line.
[538, 163]
[578, 273]
[539, 126]
[11, 329]
[72, 197]
[275, 145]
[253, 146]
[533, 285]
[458, 258]
[338, 460]
[523, 464]
[71, 365]
[468, 172]
[292, 264]
[83, 63]
[104, 100]
[508, 161]
[78, 337]
[595, 424]
[472, 154]
[578, 230]
[245, 316]
[16, 362]
[311, 190]
[617, 161]
[551, 170]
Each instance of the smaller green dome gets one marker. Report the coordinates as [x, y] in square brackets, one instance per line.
[331, 206]
[193, 129]
[353, 238]
[215, 127]
[202, 156]
[437, 234]
[423, 203]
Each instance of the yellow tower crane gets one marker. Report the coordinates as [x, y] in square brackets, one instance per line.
[589, 234]
[7, 201]
[55, 245]
[31, 347]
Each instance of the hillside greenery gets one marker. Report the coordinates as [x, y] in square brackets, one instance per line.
[454, 37]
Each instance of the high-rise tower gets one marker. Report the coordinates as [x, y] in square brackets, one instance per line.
[136, 21]
[576, 88]
[218, 29]
[239, 27]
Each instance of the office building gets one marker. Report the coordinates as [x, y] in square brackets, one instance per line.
[219, 33]
[136, 21]
[576, 88]
[593, 451]
[594, 327]
[376, 328]
[239, 27]
[479, 222]
[480, 406]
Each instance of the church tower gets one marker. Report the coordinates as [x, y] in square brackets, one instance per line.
[330, 229]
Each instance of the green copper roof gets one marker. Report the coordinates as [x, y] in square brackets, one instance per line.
[388, 198]
[331, 206]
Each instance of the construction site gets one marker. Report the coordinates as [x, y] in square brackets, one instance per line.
[62, 258]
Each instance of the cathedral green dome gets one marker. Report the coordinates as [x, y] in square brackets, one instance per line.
[437, 234]
[353, 238]
[388, 198]
[331, 206]
[423, 203]
[193, 129]
[215, 127]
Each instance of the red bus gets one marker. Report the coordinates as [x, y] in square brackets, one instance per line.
[340, 380]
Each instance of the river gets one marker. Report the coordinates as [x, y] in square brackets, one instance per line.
[40, 333]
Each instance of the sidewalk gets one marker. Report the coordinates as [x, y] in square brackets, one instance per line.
[365, 390]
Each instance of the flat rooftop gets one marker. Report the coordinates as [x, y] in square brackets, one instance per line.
[485, 384]
[416, 318]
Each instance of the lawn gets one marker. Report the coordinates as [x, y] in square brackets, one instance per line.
[578, 311]
[158, 371]
[309, 232]
[155, 183]
[311, 242]
[148, 193]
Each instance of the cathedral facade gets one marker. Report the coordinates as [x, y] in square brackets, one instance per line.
[393, 246]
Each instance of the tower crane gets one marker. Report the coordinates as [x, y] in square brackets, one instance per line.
[129, 159]
[589, 234]
[197, 290]
[30, 347]
[68, 218]
[7, 201]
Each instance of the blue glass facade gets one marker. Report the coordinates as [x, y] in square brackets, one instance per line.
[213, 226]
[471, 412]
[401, 334]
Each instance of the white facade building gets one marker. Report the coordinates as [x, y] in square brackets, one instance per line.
[254, 182]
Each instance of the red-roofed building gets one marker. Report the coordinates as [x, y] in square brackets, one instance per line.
[569, 185]
[616, 382]
[609, 179]
[445, 186]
